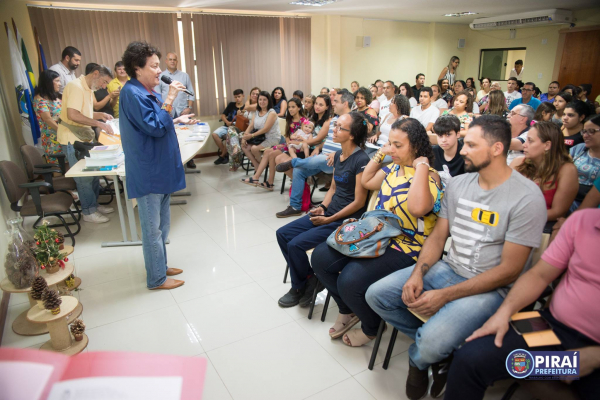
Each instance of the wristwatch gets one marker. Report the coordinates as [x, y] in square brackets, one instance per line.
[323, 206]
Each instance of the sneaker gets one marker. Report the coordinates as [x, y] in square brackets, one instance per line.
[218, 160]
[417, 383]
[284, 166]
[225, 159]
[95, 218]
[105, 209]
[310, 290]
[289, 212]
[191, 164]
[291, 298]
[440, 376]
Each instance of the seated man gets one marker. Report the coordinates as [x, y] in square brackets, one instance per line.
[426, 113]
[520, 119]
[496, 217]
[576, 300]
[228, 118]
[448, 160]
[303, 168]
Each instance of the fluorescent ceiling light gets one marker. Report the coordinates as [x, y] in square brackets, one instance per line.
[315, 3]
[461, 14]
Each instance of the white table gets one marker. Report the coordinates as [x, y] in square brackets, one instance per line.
[188, 151]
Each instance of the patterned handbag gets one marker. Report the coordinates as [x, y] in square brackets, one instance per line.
[367, 237]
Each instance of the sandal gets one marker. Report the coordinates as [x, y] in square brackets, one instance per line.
[266, 186]
[250, 181]
[357, 338]
[339, 328]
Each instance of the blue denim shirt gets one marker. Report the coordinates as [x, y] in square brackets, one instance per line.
[152, 158]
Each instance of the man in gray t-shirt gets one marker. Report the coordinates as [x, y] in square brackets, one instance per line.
[495, 217]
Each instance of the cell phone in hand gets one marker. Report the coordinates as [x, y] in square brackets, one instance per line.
[535, 324]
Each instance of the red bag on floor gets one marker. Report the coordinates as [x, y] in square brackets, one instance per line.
[305, 197]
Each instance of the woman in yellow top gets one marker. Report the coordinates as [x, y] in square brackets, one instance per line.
[120, 80]
[411, 189]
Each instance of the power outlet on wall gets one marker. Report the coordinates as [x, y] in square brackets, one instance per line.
[540, 75]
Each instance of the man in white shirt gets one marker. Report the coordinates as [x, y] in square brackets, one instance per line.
[517, 71]
[70, 60]
[425, 112]
[379, 85]
[386, 99]
[512, 93]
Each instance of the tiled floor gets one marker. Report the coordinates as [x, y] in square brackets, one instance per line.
[227, 312]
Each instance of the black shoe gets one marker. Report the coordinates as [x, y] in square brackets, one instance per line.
[310, 290]
[440, 376]
[288, 212]
[225, 159]
[284, 166]
[191, 164]
[218, 160]
[417, 383]
[291, 298]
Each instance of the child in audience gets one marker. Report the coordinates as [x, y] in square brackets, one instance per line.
[560, 102]
[462, 103]
[545, 112]
[548, 164]
[448, 161]
[299, 138]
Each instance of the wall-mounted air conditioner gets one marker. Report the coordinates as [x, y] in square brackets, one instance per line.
[526, 19]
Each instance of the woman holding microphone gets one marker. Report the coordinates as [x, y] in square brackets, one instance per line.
[153, 162]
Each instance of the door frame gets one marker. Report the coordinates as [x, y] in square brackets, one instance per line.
[562, 34]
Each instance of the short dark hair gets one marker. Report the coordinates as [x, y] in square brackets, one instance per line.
[512, 78]
[530, 83]
[557, 83]
[358, 129]
[102, 69]
[587, 88]
[136, 56]
[519, 62]
[427, 89]
[580, 107]
[378, 80]
[347, 97]
[594, 119]
[266, 94]
[326, 88]
[298, 93]
[419, 75]
[237, 92]
[417, 137]
[119, 64]
[402, 103]
[45, 85]
[446, 124]
[392, 82]
[69, 51]
[90, 67]
[366, 93]
[495, 129]
[566, 96]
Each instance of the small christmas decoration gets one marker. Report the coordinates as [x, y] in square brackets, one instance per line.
[77, 329]
[37, 290]
[60, 240]
[70, 281]
[20, 264]
[47, 251]
[52, 301]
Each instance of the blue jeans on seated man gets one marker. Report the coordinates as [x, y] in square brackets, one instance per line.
[478, 364]
[303, 168]
[155, 218]
[295, 239]
[88, 189]
[447, 329]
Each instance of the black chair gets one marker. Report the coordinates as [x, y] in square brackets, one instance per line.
[36, 167]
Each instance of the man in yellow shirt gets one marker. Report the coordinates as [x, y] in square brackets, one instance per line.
[121, 79]
[77, 118]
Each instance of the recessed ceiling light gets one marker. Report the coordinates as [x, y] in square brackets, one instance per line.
[461, 14]
[315, 3]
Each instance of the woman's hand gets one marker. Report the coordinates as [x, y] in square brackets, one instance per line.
[420, 160]
[319, 220]
[174, 89]
[186, 119]
[330, 159]
[372, 139]
[387, 149]
[247, 136]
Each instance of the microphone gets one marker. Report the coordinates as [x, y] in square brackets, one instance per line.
[168, 81]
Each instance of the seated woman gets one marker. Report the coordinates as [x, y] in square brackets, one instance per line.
[411, 189]
[545, 112]
[445, 92]
[560, 102]
[406, 90]
[294, 120]
[309, 104]
[345, 199]
[375, 103]
[252, 101]
[362, 99]
[436, 99]
[485, 99]
[548, 164]
[47, 106]
[399, 109]
[463, 102]
[279, 101]
[496, 104]
[263, 130]
[586, 157]
[486, 84]
[575, 113]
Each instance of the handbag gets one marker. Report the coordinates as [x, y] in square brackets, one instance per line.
[241, 122]
[306, 203]
[367, 237]
[255, 141]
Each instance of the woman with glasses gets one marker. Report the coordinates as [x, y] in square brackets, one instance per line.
[449, 72]
[548, 164]
[573, 117]
[586, 157]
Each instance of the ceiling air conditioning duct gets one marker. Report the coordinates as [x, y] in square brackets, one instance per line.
[526, 19]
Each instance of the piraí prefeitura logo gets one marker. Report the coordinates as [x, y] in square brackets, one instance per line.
[549, 365]
[519, 363]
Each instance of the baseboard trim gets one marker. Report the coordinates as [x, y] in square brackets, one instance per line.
[204, 155]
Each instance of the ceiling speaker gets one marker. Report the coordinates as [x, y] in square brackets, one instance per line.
[366, 41]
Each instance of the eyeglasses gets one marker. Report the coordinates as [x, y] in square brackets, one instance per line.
[527, 90]
[339, 127]
[513, 113]
[589, 131]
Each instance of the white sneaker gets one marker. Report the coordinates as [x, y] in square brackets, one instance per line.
[95, 218]
[105, 209]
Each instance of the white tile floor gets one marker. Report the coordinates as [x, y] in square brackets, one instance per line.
[227, 312]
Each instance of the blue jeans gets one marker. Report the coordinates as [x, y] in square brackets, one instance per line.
[303, 168]
[447, 329]
[347, 279]
[295, 239]
[221, 131]
[155, 218]
[88, 189]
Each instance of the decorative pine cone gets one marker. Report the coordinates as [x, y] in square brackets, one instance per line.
[37, 288]
[51, 299]
[77, 327]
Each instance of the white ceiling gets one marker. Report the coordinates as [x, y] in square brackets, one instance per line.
[402, 10]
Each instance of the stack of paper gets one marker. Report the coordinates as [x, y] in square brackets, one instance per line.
[103, 156]
[114, 124]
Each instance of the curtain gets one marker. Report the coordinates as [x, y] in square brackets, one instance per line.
[240, 52]
[102, 36]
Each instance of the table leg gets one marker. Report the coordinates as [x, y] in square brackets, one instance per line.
[131, 216]
[120, 208]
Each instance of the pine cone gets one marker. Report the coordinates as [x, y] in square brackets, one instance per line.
[38, 287]
[51, 299]
[77, 327]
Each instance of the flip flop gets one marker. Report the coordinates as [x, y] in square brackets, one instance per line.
[340, 328]
[250, 181]
[357, 338]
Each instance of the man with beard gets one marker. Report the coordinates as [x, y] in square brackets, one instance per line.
[496, 217]
[70, 60]
[77, 118]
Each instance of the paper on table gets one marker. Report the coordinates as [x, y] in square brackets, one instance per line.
[119, 388]
[16, 379]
